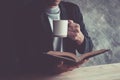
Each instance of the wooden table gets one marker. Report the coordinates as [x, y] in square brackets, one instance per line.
[100, 72]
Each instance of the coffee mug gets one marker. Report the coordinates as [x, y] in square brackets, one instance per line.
[60, 28]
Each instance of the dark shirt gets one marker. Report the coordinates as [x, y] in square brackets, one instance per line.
[33, 35]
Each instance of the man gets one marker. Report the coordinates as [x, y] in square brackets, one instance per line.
[34, 32]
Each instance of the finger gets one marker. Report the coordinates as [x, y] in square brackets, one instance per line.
[74, 26]
[70, 21]
[78, 26]
[72, 35]
[60, 64]
[82, 62]
[86, 60]
[76, 30]
[71, 68]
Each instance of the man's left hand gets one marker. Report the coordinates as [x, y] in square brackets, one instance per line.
[75, 33]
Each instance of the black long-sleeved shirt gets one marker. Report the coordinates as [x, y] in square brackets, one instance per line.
[33, 35]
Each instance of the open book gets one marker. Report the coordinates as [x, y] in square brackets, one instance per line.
[72, 58]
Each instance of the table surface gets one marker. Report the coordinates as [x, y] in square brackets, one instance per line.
[99, 72]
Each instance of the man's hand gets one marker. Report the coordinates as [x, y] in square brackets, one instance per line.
[74, 32]
[62, 67]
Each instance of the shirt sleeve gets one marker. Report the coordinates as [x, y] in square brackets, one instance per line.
[87, 45]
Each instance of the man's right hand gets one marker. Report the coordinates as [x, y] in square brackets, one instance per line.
[62, 67]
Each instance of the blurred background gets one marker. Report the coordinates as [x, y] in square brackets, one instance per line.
[102, 20]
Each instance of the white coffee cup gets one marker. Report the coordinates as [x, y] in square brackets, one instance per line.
[60, 28]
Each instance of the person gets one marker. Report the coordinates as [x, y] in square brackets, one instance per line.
[34, 36]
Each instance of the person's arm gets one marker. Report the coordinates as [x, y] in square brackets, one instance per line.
[87, 44]
[83, 41]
